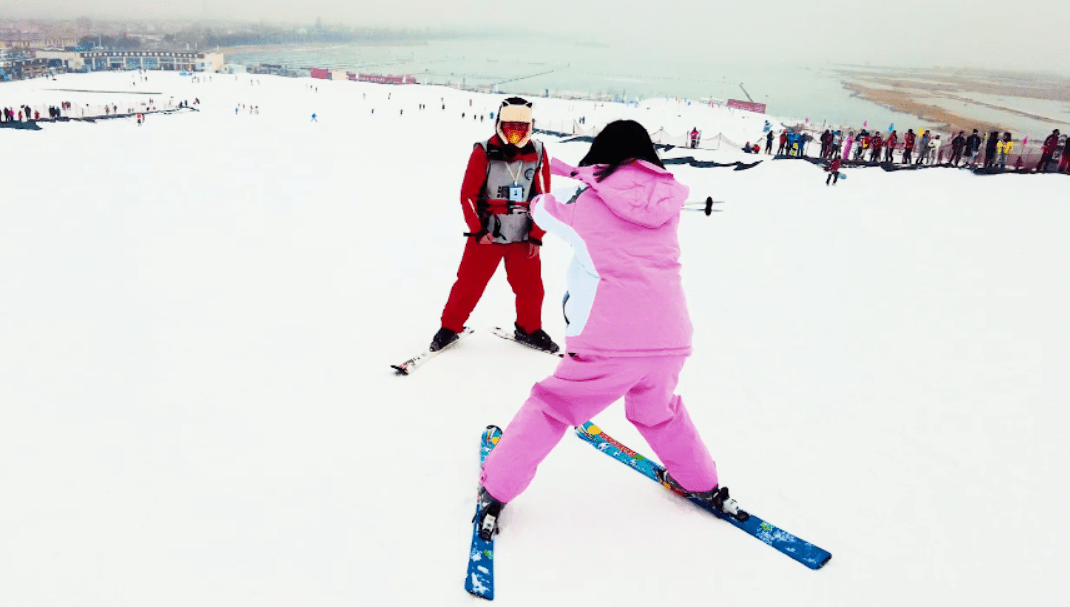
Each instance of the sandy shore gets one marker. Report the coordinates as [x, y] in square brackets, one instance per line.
[907, 91]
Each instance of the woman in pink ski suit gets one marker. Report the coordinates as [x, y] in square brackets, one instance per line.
[847, 143]
[628, 330]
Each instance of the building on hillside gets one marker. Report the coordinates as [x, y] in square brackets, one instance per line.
[183, 61]
[63, 61]
[21, 64]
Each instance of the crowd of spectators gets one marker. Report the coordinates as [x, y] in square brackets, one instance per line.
[992, 151]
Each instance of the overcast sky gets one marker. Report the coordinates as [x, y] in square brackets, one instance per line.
[918, 32]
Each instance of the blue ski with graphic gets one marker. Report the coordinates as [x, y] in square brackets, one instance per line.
[798, 549]
[480, 579]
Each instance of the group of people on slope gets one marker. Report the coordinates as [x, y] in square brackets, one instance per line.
[627, 331]
[989, 152]
[791, 143]
[869, 146]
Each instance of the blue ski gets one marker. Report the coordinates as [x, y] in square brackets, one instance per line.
[480, 579]
[796, 548]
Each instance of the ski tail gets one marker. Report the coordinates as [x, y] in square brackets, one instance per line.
[798, 549]
[480, 578]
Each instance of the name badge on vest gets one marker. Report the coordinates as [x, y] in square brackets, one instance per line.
[516, 193]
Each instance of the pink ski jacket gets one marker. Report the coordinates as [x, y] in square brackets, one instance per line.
[625, 294]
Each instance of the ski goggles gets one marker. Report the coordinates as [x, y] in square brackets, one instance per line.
[515, 132]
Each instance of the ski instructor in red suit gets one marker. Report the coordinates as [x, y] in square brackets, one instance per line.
[504, 174]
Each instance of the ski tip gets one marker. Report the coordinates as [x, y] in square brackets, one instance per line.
[588, 429]
[399, 370]
[492, 434]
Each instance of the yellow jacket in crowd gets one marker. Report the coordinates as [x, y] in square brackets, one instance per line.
[1004, 147]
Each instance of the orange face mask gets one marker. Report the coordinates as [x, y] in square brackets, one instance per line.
[515, 132]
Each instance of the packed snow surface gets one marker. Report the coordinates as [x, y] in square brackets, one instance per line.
[198, 316]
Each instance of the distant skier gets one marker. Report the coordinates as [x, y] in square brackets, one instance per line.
[629, 333]
[847, 143]
[893, 142]
[1003, 148]
[908, 145]
[958, 143]
[314, 118]
[769, 142]
[783, 142]
[1047, 151]
[991, 140]
[694, 138]
[973, 147]
[1064, 160]
[923, 149]
[876, 142]
[833, 169]
[504, 174]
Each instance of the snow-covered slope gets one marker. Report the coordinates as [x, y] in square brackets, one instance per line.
[196, 407]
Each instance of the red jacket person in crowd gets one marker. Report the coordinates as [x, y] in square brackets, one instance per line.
[504, 174]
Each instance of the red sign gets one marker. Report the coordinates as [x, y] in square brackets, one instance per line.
[746, 105]
[382, 79]
[320, 73]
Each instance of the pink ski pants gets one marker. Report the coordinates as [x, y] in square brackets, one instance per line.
[582, 387]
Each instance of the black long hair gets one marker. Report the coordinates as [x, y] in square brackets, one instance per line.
[620, 142]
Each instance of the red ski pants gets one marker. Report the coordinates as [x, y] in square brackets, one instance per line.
[478, 265]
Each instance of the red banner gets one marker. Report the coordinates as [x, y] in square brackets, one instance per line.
[383, 79]
[746, 105]
[320, 73]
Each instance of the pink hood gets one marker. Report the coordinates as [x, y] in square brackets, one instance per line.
[625, 294]
[641, 193]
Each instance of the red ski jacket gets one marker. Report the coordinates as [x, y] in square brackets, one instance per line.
[476, 175]
[910, 141]
[1050, 143]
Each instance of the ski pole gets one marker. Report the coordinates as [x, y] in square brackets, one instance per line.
[707, 206]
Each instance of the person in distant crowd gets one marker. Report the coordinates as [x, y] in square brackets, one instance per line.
[848, 142]
[923, 148]
[833, 169]
[806, 139]
[876, 142]
[793, 144]
[756, 148]
[1047, 151]
[769, 142]
[826, 141]
[890, 145]
[694, 138]
[990, 149]
[747, 149]
[957, 145]
[862, 145]
[837, 142]
[1003, 148]
[973, 146]
[783, 142]
[934, 150]
[1064, 160]
[505, 173]
[908, 145]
